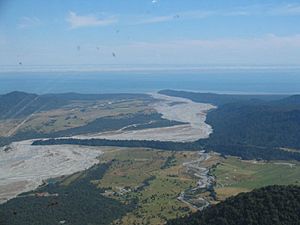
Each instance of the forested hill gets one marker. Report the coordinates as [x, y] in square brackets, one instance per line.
[219, 99]
[273, 205]
[253, 123]
[19, 104]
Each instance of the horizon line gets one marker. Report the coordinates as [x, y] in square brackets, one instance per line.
[141, 68]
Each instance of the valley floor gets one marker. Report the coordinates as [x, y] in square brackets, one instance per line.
[151, 185]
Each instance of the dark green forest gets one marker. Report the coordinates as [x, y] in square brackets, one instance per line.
[219, 99]
[245, 152]
[273, 205]
[273, 124]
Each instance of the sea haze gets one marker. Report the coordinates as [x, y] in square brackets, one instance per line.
[219, 81]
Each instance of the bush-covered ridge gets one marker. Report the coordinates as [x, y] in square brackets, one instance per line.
[256, 124]
[219, 99]
[245, 152]
[273, 205]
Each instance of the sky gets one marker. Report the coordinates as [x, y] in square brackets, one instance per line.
[72, 33]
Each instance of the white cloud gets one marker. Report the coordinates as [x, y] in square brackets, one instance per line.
[269, 49]
[286, 10]
[190, 15]
[176, 16]
[29, 22]
[249, 10]
[77, 21]
[265, 50]
[158, 19]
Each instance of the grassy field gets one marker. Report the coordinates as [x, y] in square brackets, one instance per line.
[75, 114]
[80, 113]
[143, 183]
[152, 180]
[143, 175]
[234, 175]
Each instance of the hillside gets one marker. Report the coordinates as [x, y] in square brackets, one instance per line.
[277, 205]
[273, 123]
[19, 104]
[13, 104]
[219, 99]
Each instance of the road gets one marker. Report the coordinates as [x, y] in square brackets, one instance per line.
[195, 168]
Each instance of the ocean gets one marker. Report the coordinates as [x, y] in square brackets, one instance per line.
[218, 81]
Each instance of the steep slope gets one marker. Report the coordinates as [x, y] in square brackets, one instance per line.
[277, 205]
[255, 123]
[14, 104]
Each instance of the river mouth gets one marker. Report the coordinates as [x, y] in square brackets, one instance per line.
[192, 114]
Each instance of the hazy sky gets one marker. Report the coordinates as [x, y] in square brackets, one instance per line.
[199, 32]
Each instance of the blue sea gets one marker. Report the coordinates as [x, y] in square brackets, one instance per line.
[219, 81]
